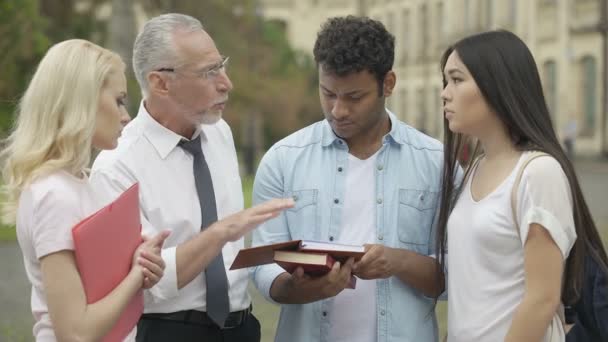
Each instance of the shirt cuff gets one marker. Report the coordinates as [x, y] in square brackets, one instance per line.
[166, 288]
[263, 277]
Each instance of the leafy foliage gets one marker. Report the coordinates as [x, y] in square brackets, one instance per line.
[275, 86]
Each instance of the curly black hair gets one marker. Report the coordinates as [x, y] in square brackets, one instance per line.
[353, 44]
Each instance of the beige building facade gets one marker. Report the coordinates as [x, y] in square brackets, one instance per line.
[564, 36]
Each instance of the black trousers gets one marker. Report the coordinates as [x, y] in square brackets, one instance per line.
[159, 330]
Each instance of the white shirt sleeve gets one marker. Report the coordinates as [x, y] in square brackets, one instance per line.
[110, 185]
[544, 198]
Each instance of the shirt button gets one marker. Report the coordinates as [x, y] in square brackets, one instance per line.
[336, 201]
[324, 313]
[380, 237]
[340, 142]
[382, 312]
[331, 238]
[380, 167]
[295, 197]
[421, 198]
[340, 169]
[379, 201]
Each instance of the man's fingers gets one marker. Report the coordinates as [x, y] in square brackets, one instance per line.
[153, 257]
[151, 266]
[274, 205]
[150, 278]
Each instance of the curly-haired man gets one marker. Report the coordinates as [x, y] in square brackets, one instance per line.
[359, 177]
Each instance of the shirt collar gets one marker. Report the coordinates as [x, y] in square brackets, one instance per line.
[162, 139]
[329, 137]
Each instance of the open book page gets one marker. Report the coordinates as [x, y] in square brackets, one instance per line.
[307, 245]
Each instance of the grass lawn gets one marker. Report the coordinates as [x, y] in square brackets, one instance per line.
[7, 233]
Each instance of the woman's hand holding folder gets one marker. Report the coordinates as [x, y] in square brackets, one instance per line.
[148, 261]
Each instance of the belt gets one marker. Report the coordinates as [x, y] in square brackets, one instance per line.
[233, 320]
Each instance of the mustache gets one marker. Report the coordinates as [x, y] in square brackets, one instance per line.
[220, 101]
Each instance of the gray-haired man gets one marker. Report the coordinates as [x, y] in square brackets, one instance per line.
[182, 154]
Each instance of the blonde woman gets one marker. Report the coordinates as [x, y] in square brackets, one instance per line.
[74, 103]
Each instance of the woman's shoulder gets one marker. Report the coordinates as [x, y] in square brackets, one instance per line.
[59, 186]
[544, 168]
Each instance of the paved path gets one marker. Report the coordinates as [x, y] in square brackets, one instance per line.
[15, 316]
[16, 320]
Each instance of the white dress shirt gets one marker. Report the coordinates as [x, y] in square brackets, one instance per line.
[148, 153]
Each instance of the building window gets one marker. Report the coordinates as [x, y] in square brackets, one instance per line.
[421, 107]
[424, 27]
[589, 94]
[405, 41]
[438, 112]
[513, 13]
[404, 109]
[550, 82]
[440, 25]
[391, 103]
[489, 15]
[390, 22]
[467, 15]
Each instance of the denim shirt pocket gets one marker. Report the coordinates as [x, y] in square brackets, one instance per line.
[415, 218]
[302, 218]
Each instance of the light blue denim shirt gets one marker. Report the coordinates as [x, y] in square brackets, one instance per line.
[311, 165]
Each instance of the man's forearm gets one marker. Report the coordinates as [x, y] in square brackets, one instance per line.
[419, 271]
[194, 255]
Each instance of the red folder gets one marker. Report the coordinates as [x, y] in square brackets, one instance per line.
[104, 244]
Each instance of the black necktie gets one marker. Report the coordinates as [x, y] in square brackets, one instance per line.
[218, 304]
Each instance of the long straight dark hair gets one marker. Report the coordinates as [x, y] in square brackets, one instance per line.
[505, 72]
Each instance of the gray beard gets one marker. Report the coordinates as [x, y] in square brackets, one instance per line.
[211, 118]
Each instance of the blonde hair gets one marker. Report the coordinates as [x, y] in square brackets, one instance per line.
[55, 119]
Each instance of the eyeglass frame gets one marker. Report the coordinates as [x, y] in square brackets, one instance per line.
[212, 71]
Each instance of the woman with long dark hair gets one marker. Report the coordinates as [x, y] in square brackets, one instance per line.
[510, 267]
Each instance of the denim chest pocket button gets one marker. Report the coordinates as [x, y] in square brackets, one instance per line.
[415, 218]
[302, 198]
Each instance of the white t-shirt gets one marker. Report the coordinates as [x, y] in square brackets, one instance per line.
[353, 314]
[47, 211]
[486, 276]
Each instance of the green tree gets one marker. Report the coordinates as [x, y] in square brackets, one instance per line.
[28, 28]
[23, 43]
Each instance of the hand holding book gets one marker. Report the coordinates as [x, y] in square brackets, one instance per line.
[379, 262]
[312, 288]
[309, 263]
[315, 258]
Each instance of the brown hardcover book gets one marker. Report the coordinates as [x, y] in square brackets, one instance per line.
[261, 255]
[313, 264]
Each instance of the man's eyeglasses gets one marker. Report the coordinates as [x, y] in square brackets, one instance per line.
[209, 72]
